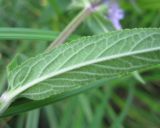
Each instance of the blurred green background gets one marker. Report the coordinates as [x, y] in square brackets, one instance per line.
[122, 103]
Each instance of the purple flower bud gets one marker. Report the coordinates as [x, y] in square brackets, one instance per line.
[115, 14]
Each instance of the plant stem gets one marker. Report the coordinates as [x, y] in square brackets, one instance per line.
[71, 27]
[5, 101]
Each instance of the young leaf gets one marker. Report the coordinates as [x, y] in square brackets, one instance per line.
[74, 66]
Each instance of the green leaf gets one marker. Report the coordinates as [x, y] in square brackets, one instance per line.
[23, 105]
[33, 119]
[26, 34]
[76, 65]
[118, 122]
[17, 60]
[29, 34]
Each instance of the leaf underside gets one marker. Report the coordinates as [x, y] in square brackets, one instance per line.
[75, 65]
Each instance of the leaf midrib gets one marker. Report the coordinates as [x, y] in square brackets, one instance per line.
[70, 68]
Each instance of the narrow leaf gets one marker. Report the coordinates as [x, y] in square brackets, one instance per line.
[26, 34]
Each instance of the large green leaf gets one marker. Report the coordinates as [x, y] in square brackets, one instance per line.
[74, 66]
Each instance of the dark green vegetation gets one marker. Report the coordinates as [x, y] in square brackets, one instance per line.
[131, 102]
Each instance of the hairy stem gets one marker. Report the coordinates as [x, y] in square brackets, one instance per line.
[71, 27]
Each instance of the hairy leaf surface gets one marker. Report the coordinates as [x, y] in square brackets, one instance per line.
[75, 65]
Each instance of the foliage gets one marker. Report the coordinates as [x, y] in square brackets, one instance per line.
[37, 77]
